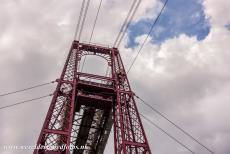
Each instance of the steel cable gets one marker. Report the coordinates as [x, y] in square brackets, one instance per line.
[25, 89]
[83, 20]
[175, 125]
[125, 22]
[151, 122]
[128, 24]
[79, 19]
[91, 35]
[146, 38]
[22, 102]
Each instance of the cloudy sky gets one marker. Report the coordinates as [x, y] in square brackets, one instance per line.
[182, 70]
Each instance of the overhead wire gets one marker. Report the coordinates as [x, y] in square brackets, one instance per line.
[128, 23]
[95, 21]
[83, 20]
[124, 23]
[146, 38]
[123, 29]
[79, 19]
[25, 89]
[165, 132]
[174, 124]
[92, 32]
[26, 101]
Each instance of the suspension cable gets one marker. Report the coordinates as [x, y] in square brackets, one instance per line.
[146, 38]
[26, 101]
[79, 19]
[128, 23]
[169, 135]
[83, 20]
[25, 89]
[125, 24]
[175, 125]
[91, 35]
[95, 21]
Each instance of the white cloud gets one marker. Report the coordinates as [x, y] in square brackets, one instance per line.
[217, 11]
[193, 84]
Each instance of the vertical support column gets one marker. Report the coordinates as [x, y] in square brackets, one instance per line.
[73, 98]
[113, 72]
[56, 130]
[129, 135]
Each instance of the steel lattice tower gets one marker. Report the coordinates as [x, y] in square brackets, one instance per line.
[85, 106]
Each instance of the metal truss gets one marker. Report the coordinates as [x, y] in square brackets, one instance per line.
[85, 106]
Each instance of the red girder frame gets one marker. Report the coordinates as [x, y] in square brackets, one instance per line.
[85, 106]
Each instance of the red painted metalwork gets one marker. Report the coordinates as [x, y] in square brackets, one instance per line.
[85, 106]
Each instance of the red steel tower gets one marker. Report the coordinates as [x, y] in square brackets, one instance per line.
[85, 106]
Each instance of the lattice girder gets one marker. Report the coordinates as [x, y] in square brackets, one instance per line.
[85, 106]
